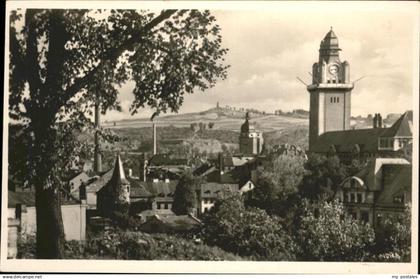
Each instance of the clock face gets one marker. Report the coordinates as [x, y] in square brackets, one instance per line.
[333, 69]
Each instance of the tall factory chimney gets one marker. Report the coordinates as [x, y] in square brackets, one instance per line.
[98, 156]
[154, 140]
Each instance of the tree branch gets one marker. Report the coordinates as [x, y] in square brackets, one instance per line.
[31, 58]
[137, 37]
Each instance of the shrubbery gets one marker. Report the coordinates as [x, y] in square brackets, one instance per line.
[248, 232]
[327, 233]
[136, 246]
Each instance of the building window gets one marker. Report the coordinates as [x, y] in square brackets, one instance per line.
[338, 99]
[365, 216]
[359, 197]
[166, 206]
[352, 197]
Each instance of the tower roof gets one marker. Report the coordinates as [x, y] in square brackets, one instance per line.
[118, 175]
[330, 41]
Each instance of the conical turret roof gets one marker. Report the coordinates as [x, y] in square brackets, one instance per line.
[118, 175]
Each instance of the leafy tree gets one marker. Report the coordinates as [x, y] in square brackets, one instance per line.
[249, 232]
[327, 233]
[393, 238]
[278, 184]
[323, 177]
[63, 63]
[185, 196]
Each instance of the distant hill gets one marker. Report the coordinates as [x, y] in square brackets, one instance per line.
[222, 118]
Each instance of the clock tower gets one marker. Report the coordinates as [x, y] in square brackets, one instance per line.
[330, 91]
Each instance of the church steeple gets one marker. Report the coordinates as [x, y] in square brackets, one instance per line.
[250, 140]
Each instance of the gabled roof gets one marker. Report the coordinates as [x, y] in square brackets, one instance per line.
[214, 190]
[97, 182]
[167, 160]
[141, 189]
[399, 183]
[403, 127]
[372, 175]
[344, 141]
[365, 139]
[27, 198]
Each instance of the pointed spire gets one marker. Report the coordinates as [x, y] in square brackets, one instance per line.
[118, 175]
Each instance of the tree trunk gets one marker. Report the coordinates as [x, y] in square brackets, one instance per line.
[49, 222]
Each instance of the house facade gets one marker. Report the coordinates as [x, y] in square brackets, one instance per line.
[381, 189]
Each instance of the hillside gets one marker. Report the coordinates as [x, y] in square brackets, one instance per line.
[223, 119]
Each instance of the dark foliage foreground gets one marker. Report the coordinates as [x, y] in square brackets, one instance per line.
[125, 245]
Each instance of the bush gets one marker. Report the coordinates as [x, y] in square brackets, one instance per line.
[327, 233]
[123, 245]
[142, 246]
[393, 238]
[248, 232]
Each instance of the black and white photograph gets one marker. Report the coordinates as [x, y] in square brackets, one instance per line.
[210, 136]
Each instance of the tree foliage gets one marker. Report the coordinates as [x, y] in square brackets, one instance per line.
[64, 62]
[278, 184]
[327, 233]
[249, 232]
[393, 237]
[185, 196]
[323, 177]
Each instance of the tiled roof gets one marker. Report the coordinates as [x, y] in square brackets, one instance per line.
[370, 174]
[366, 139]
[344, 141]
[28, 198]
[236, 161]
[403, 127]
[400, 182]
[152, 189]
[96, 183]
[167, 160]
[214, 190]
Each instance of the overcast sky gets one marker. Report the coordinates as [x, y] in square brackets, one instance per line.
[270, 48]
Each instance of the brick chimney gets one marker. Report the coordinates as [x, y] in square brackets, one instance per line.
[379, 120]
[375, 121]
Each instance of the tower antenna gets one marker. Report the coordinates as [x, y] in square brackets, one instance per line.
[359, 79]
[301, 81]
[313, 77]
